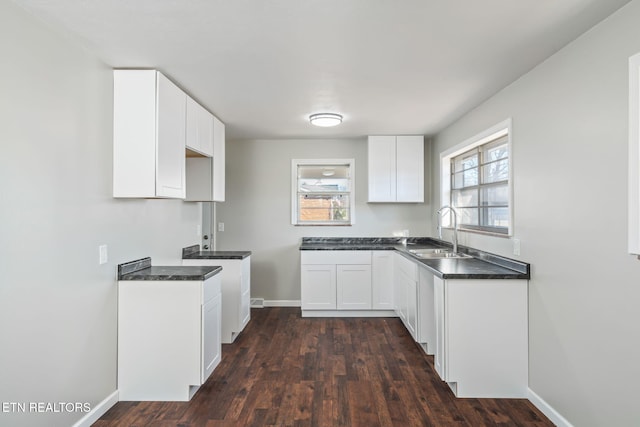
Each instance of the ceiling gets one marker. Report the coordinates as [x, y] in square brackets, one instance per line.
[389, 66]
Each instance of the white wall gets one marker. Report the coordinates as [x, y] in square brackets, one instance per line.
[57, 305]
[257, 210]
[570, 127]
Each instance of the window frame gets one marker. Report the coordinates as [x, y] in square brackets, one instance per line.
[294, 190]
[488, 136]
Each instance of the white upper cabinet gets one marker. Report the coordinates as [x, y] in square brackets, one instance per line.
[199, 129]
[206, 176]
[218, 160]
[396, 168]
[148, 135]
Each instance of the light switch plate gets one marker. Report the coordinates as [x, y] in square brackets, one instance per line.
[102, 249]
[221, 226]
[516, 246]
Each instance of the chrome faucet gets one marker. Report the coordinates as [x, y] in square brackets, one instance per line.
[455, 225]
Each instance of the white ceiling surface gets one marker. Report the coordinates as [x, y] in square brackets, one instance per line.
[390, 67]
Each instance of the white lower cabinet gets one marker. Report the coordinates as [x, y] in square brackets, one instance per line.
[406, 277]
[481, 337]
[382, 280]
[426, 311]
[236, 293]
[318, 287]
[168, 337]
[353, 285]
[341, 283]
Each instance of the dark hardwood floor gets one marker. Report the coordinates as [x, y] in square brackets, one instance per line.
[284, 370]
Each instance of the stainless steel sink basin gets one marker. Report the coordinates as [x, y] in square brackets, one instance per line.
[436, 253]
[424, 251]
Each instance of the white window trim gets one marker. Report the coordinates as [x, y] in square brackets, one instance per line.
[294, 189]
[634, 155]
[494, 132]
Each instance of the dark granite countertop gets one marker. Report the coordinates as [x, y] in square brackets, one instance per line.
[142, 269]
[194, 252]
[481, 265]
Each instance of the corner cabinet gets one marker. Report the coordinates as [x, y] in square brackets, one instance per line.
[169, 337]
[149, 131]
[396, 168]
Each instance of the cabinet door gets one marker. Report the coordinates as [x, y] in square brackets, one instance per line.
[412, 308]
[382, 280]
[401, 297]
[318, 287]
[353, 287]
[171, 129]
[211, 336]
[426, 313]
[245, 292]
[205, 131]
[218, 160]
[199, 130]
[382, 168]
[440, 352]
[410, 168]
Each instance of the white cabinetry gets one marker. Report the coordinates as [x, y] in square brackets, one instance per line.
[340, 283]
[406, 284]
[382, 280]
[318, 286]
[168, 337]
[206, 176]
[353, 284]
[199, 136]
[426, 311]
[148, 135]
[396, 168]
[236, 293]
[481, 337]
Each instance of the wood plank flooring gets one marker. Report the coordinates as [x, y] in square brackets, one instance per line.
[285, 370]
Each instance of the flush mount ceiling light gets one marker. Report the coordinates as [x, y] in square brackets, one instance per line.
[325, 119]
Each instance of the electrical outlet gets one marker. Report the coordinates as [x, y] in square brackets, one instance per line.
[516, 246]
[102, 250]
[221, 226]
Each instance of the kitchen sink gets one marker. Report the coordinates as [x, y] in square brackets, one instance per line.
[429, 251]
[442, 255]
[437, 253]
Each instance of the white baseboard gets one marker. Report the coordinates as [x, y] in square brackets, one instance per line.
[99, 410]
[282, 303]
[547, 409]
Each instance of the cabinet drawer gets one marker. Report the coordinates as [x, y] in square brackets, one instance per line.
[335, 257]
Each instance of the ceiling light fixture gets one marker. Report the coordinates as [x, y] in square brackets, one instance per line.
[325, 119]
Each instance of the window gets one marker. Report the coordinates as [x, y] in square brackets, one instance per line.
[322, 192]
[476, 182]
